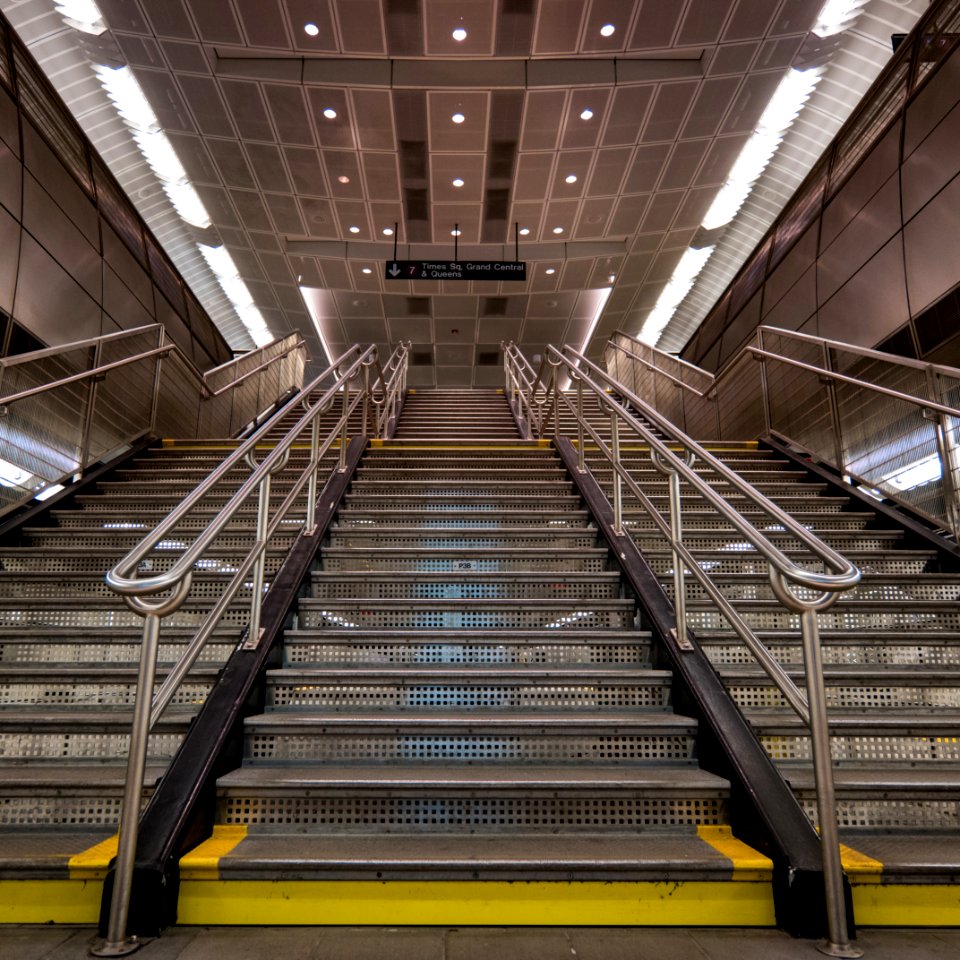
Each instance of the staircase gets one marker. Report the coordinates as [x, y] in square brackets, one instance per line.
[465, 702]
[69, 650]
[892, 670]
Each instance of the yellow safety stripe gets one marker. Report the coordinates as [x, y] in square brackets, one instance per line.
[748, 864]
[491, 902]
[203, 861]
[92, 863]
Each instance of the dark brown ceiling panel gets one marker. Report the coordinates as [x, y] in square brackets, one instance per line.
[515, 28]
[404, 28]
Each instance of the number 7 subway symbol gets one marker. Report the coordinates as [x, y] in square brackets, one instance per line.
[412, 268]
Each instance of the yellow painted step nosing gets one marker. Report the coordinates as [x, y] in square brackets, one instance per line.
[203, 861]
[748, 864]
[92, 863]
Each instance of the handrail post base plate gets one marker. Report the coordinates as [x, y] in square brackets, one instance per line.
[839, 949]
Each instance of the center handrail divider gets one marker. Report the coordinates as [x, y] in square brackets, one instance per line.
[375, 392]
[537, 399]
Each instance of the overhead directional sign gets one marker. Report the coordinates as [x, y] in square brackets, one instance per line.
[455, 270]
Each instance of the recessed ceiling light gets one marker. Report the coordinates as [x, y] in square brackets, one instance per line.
[455, 233]
[458, 118]
[611, 278]
[457, 182]
[330, 113]
[558, 229]
[354, 229]
[343, 178]
[550, 271]
[366, 270]
[459, 34]
[586, 114]
[607, 30]
[571, 178]
[311, 29]
[388, 231]
[524, 231]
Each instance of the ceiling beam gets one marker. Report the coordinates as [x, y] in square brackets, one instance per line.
[510, 74]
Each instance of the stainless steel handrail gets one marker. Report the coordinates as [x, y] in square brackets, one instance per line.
[297, 345]
[782, 571]
[19, 358]
[85, 421]
[663, 373]
[138, 592]
[826, 373]
[849, 452]
[87, 374]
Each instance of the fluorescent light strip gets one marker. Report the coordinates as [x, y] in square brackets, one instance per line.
[127, 96]
[687, 270]
[601, 303]
[788, 99]
[82, 15]
[224, 269]
[837, 16]
[311, 309]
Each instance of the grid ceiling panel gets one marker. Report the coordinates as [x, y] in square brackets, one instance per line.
[274, 171]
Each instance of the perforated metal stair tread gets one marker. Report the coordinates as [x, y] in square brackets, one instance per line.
[447, 721]
[945, 723]
[868, 673]
[880, 781]
[917, 857]
[653, 854]
[39, 775]
[468, 673]
[636, 779]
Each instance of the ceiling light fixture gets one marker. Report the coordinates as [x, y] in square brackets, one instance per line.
[458, 118]
[366, 270]
[836, 16]
[225, 270]
[126, 94]
[330, 113]
[550, 271]
[793, 91]
[571, 178]
[524, 231]
[457, 182]
[343, 178]
[601, 303]
[354, 229]
[311, 29]
[82, 15]
[455, 233]
[460, 34]
[607, 30]
[686, 271]
[388, 231]
[586, 114]
[558, 229]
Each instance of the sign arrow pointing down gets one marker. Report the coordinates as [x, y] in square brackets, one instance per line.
[394, 270]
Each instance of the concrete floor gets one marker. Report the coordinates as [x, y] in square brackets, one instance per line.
[474, 943]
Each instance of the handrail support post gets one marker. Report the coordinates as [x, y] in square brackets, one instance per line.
[314, 470]
[617, 481]
[581, 462]
[117, 943]
[256, 601]
[679, 570]
[838, 942]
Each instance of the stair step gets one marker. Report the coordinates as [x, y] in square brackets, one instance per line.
[447, 614]
[385, 647]
[657, 855]
[463, 558]
[467, 586]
